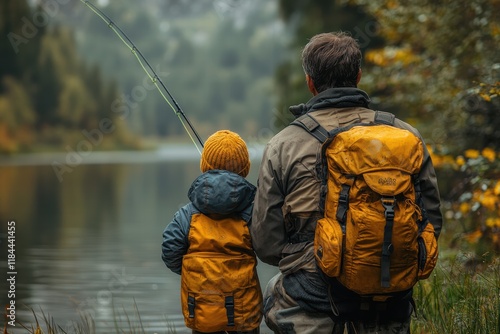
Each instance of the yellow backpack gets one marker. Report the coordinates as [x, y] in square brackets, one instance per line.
[374, 237]
[220, 289]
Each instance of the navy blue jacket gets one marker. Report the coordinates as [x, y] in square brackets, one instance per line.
[215, 192]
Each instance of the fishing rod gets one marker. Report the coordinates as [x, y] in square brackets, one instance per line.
[150, 73]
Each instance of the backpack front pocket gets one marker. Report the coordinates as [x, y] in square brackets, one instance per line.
[427, 252]
[328, 246]
[220, 292]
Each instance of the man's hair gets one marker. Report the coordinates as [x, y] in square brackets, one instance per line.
[332, 60]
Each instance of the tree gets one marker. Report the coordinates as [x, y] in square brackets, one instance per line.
[436, 65]
[47, 95]
[435, 57]
[447, 84]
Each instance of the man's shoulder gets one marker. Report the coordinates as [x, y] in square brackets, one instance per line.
[290, 135]
[404, 125]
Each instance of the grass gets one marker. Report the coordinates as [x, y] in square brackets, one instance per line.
[459, 299]
[123, 323]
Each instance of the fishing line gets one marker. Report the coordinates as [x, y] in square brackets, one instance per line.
[150, 73]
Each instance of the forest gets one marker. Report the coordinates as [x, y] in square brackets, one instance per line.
[236, 64]
[64, 70]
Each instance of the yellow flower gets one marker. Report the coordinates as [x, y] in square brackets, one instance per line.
[376, 57]
[489, 154]
[460, 161]
[495, 238]
[493, 222]
[464, 208]
[485, 97]
[472, 154]
[488, 200]
[390, 55]
[404, 55]
[496, 188]
[436, 159]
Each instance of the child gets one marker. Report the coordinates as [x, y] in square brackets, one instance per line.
[209, 245]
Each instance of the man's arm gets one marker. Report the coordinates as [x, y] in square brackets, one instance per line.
[430, 193]
[267, 228]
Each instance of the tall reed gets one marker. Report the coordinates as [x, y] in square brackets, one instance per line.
[459, 298]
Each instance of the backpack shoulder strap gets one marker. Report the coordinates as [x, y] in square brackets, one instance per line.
[311, 125]
[308, 123]
[383, 117]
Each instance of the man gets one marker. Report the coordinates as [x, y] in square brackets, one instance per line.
[287, 202]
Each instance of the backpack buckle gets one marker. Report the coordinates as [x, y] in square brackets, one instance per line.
[343, 205]
[388, 204]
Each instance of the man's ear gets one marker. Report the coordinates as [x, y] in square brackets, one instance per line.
[310, 85]
[358, 78]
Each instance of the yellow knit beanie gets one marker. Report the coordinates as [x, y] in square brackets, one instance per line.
[225, 150]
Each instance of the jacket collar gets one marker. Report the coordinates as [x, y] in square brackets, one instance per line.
[333, 98]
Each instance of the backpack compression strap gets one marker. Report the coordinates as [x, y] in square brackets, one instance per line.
[191, 305]
[308, 123]
[383, 117]
[387, 247]
[229, 304]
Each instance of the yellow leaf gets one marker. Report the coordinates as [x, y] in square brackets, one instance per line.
[376, 57]
[496, 189]
[493, 222]
[495, 29]
[489, 154]
[464, 208]
[460, 161]
[485, 97]
[473, 237]
[489, 201]
[471, 154]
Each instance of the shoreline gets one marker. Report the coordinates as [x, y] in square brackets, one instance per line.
[163, 153]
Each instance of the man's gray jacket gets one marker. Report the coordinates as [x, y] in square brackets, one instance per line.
[287, 201]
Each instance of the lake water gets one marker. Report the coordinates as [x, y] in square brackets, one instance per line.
[88, 241]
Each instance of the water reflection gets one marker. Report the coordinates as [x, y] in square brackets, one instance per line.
[91, 244]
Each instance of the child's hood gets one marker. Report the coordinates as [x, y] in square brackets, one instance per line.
[221, 192]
